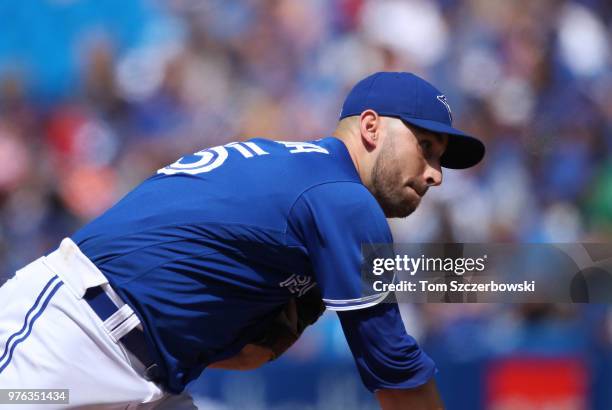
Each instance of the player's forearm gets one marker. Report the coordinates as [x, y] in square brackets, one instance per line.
[249, 358]
[424, 397]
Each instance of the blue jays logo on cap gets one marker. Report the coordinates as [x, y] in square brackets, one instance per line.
[416, 102]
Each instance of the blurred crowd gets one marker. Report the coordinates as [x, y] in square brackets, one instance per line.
[95, 96]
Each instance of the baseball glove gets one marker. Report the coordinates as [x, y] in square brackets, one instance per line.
[288, 326]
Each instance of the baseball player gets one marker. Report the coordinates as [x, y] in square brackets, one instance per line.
[222, 258]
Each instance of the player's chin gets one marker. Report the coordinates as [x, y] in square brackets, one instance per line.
[411, 207]
[403, 208]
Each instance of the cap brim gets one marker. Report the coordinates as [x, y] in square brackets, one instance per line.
[463, 151]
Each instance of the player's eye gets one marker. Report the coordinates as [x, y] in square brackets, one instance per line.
[426, 146]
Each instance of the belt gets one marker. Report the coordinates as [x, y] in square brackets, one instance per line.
[133, 340]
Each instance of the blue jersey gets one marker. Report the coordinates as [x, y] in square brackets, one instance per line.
[209, 249]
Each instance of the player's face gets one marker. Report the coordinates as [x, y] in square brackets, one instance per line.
[408, 164]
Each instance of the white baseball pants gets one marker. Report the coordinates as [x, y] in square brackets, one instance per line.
[50, 338]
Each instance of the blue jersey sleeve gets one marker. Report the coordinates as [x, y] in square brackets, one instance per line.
[386, 356]
[333, 221]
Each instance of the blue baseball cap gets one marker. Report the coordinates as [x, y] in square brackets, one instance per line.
[416, 102]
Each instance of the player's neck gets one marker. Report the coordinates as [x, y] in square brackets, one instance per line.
[353, 150]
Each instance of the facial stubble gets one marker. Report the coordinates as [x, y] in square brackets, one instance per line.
[387, 185]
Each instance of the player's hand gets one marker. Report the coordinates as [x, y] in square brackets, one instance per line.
[250, 357]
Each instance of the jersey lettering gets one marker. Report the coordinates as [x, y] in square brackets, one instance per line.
[298, 147]
[211, 158]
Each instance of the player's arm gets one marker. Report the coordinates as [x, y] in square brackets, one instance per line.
[422, 397]
[389, 361]
[333, 221]
[250, 357]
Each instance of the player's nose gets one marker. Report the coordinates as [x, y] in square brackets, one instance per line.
[433, 174]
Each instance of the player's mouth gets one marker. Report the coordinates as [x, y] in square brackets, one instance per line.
[420, 192]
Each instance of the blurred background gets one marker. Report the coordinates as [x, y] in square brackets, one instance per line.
[96, 96]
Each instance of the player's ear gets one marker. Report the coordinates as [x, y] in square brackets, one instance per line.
[370, 123]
